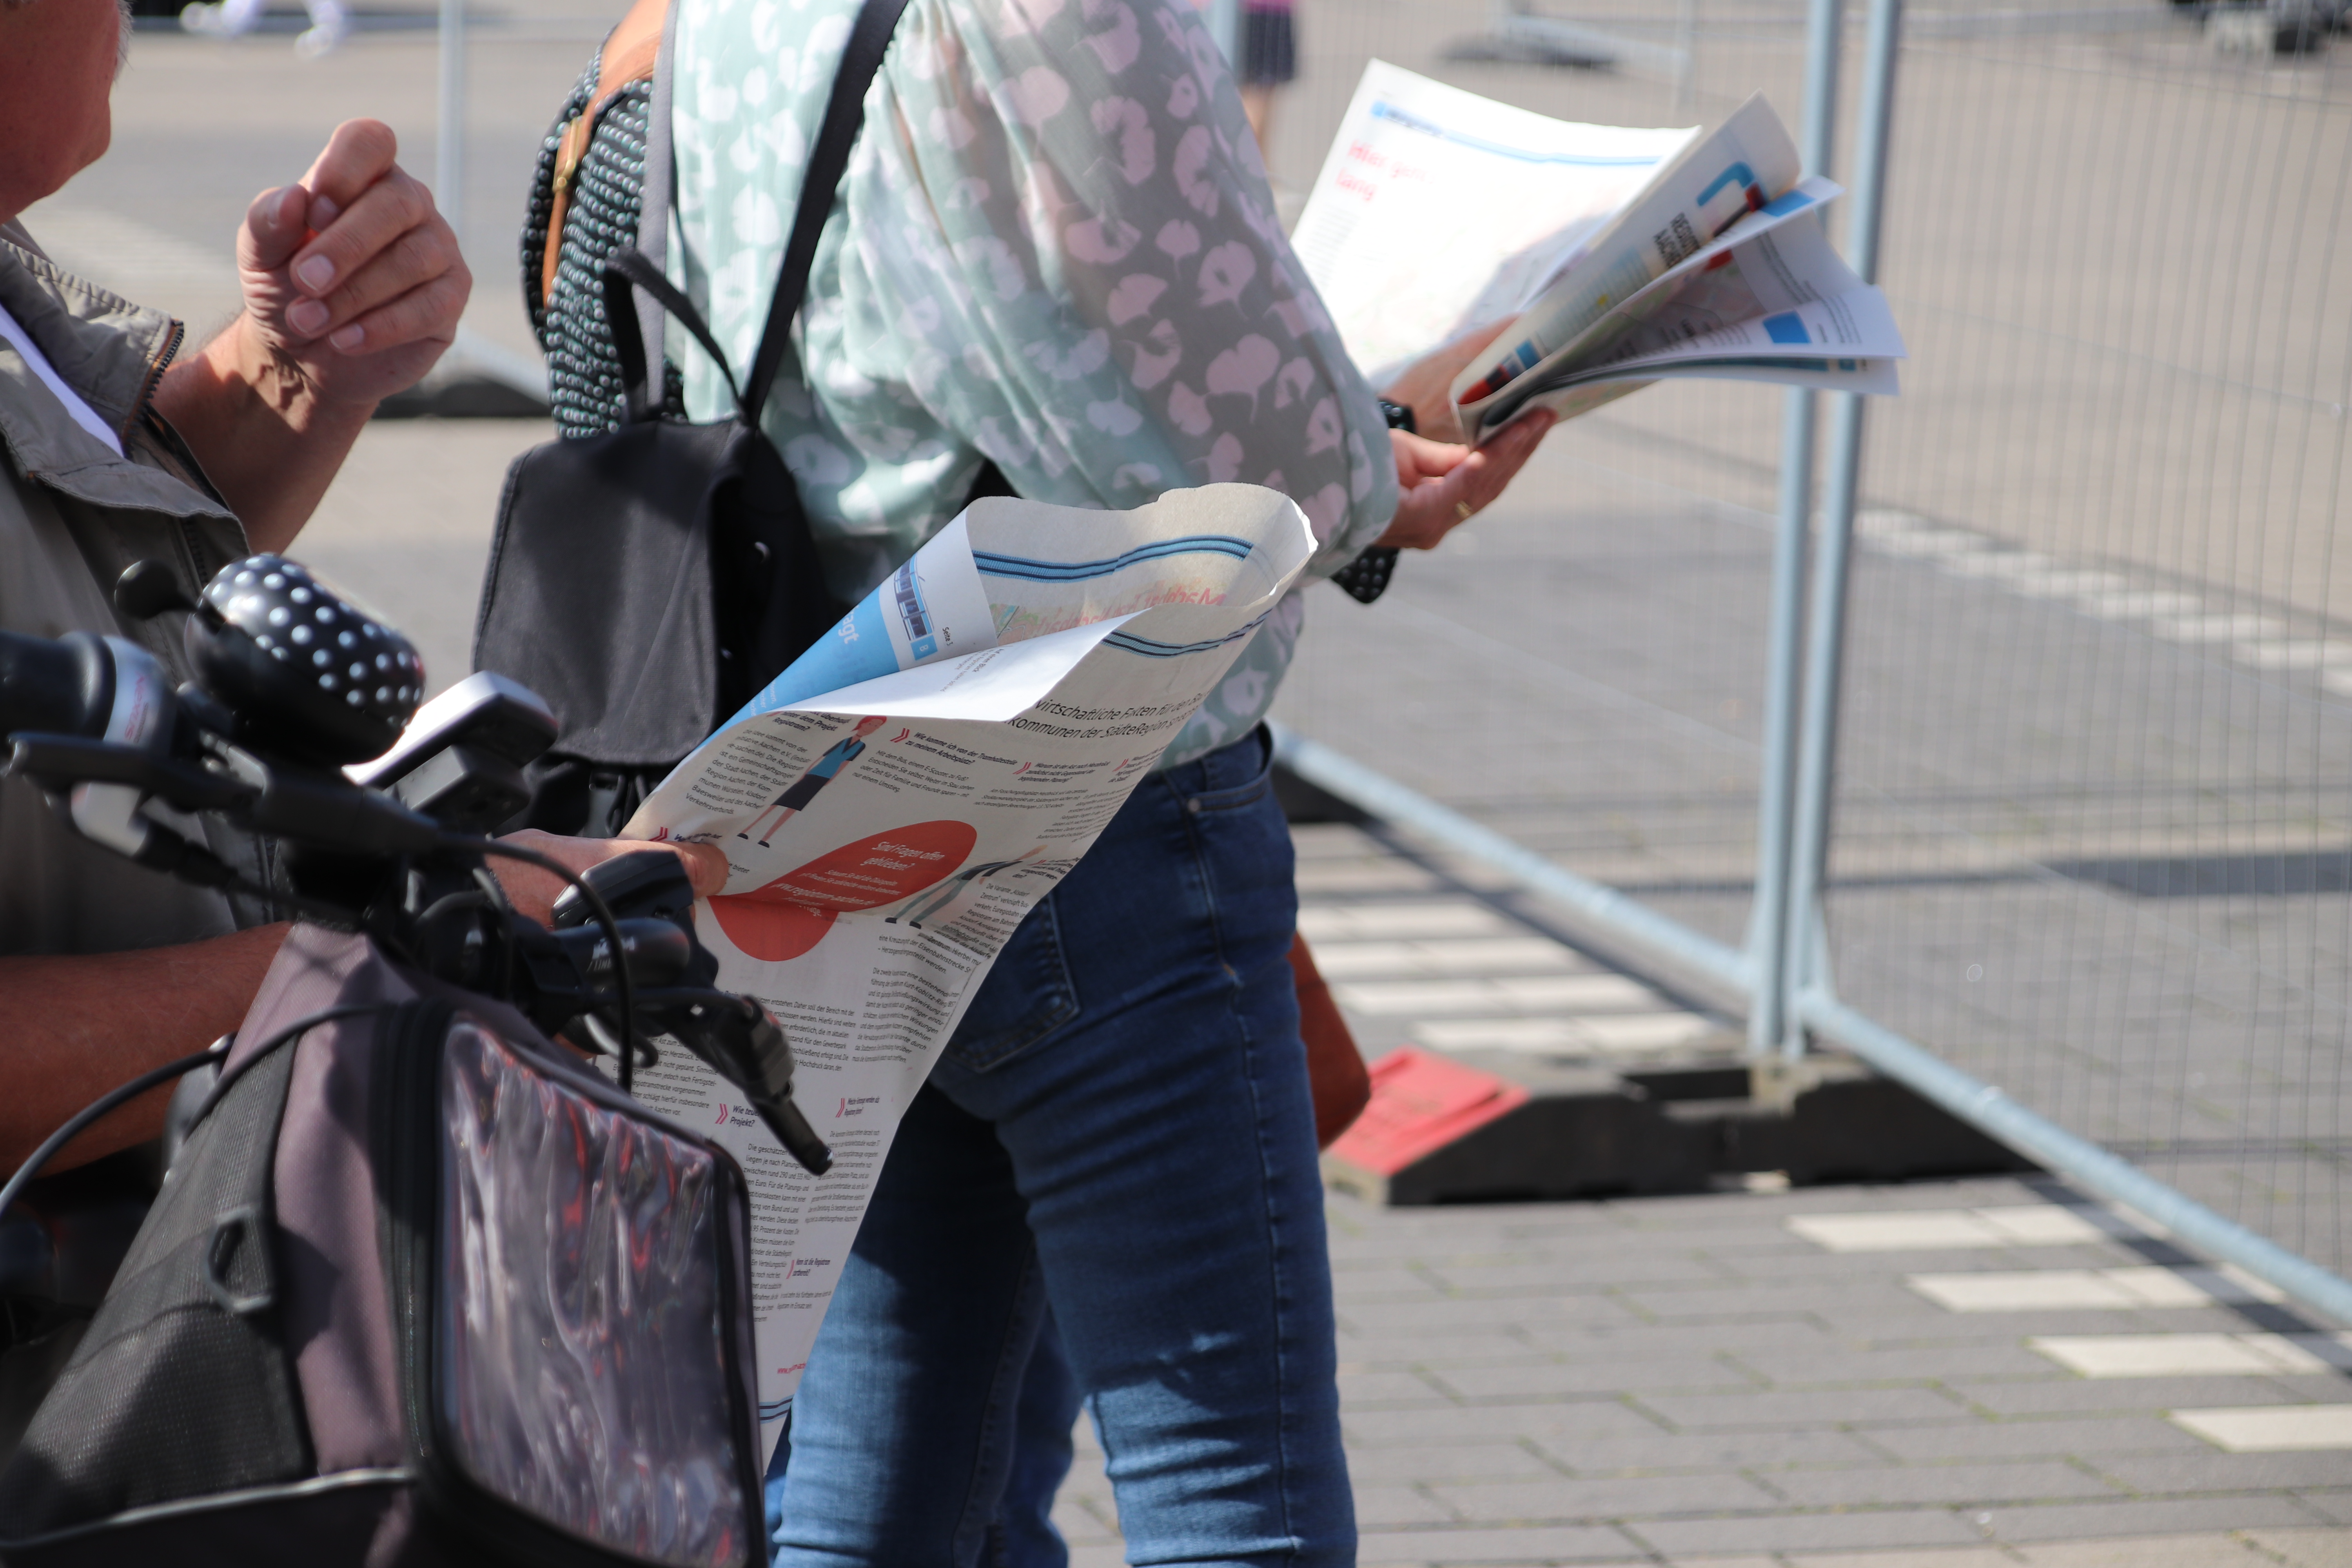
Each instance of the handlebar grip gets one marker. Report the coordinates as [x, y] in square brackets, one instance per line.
[63, 686]
[783, 1118]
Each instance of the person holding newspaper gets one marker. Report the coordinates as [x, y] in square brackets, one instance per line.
[1056, 251]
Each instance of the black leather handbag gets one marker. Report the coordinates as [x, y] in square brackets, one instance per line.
[650, 580]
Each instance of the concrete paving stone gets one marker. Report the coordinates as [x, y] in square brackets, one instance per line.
[2033, 1480]
[1711, 1451]
[2082, 1397]
[1962, 1363]
[1645, 1341]
[1110, 1555]
[1534, 1379]
[1078, 1524]
[1382, 1279]
[1616, 1497]
[2333, 1504]
[1590, 1268]
[1423, 1347]
[1875, 1301]
[2205, 1549]
[2138, 1516]
[2224, 1472]
[1389, 1390]
[2194, 1355]
[1395, 1506]
[1446, 1462]
[1448, 1314]
[1678, 1538]
[1932, 1557]
[1547, 1543]
[1587, 1418]
[1788, 1410]
[1979, 1439]
[2321, 1548]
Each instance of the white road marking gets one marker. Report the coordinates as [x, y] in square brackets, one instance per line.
[2030, 1225]
[1416, 960]
[2064, 585]
[2138, 603]
[2218, 629]
[2271, 1428]
[2194, 1355]
[2128, 1289]
[1573, 993]
[1422, 918]
[2294, 653]
[1631, 1033]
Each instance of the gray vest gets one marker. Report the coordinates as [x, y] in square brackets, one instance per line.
[72, 516]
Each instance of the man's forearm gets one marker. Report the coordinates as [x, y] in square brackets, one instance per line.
[77, 1026]
[269, 444]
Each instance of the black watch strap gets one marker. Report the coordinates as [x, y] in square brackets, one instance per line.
[1366, 577]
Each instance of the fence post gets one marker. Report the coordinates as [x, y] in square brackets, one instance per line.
[1768, 922]
[449, 150]
[1803, 962]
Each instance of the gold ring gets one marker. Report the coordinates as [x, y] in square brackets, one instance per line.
[1461, 512]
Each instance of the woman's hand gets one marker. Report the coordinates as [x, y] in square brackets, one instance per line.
[1427, 384]
[1441, 486]
[533, 891]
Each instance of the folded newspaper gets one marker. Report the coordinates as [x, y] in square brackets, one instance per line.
[894, 803]
[1619, 257]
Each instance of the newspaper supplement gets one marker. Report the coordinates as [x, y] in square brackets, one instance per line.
[1767, 300]
[1618, 257]
[1438, 209]
[896, 802]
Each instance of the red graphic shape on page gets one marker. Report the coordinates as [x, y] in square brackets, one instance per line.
[791, 914]
[1420, 1104]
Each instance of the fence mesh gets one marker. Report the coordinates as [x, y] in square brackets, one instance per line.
[2093, 838]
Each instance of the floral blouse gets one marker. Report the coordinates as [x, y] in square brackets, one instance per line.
[1054, 249]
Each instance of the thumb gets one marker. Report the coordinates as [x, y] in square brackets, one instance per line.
[706, 867]
[275, 227]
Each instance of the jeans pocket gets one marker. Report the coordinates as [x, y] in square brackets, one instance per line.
[1027, 995]
[1237, 776]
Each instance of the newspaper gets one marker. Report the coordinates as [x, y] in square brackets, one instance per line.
[894, 803]
[1619, 257]
[1437, 210]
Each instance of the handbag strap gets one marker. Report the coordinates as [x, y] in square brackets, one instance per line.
[845, 116]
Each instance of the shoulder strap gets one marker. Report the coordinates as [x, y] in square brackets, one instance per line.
[652, 210]
[627, 56]
[845, 112]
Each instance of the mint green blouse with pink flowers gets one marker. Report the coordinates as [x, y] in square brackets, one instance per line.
[1054, 249]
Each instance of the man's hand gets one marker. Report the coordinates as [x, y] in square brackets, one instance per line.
[354, 286]
[1426, 386]
[533, 891]
[353, 283]
[1442, 485]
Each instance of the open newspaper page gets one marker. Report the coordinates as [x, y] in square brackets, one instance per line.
[1437, 209]
[896, 802]
[1767, 300]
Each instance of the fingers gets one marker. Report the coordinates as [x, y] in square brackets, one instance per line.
[275, 226]
[1434, 504]
[1419, 458]
[359, 153]
[386, 271]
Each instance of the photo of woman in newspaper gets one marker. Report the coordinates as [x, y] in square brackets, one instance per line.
[822, 771]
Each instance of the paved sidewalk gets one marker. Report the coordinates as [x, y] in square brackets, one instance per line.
[1945, 1375]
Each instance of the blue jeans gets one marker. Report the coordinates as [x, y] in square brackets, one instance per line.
[1119, 1135]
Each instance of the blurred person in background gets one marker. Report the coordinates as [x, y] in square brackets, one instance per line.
[1269, 46]
[1055, 252]
[331, 24]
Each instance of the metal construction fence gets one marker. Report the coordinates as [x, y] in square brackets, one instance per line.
[2082, 867]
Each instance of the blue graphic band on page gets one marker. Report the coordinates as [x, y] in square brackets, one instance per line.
[994, 566]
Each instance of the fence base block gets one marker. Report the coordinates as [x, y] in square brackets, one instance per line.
[1589, 1131]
